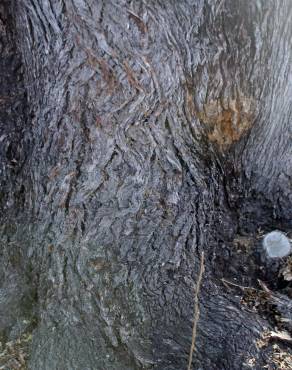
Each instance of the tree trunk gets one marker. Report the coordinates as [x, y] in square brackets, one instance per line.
[134, 136]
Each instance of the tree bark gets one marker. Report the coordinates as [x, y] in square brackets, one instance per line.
[134, 136]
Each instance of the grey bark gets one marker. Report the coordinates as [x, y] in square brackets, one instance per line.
[134, 136]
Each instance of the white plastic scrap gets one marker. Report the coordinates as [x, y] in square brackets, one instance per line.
[276, 244]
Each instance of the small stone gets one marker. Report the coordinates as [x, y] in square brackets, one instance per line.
[276, 244]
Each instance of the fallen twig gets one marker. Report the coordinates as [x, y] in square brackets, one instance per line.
[196, 310]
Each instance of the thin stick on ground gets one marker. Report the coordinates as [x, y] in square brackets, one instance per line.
[196, 309]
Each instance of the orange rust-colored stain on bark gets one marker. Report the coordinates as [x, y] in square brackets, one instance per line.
[131, 77]
[51, 248]
[139, 22]
[227, 123]
[98, 264]
[106, 71]
[190, 102]
[108, 75]
[98, 121]
[54, 172]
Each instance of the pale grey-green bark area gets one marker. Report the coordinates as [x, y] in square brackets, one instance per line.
[149, 131]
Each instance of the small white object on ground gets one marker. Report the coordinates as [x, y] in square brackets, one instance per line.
[276, 244]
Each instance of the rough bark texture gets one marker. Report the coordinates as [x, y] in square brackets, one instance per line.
[134, 135]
